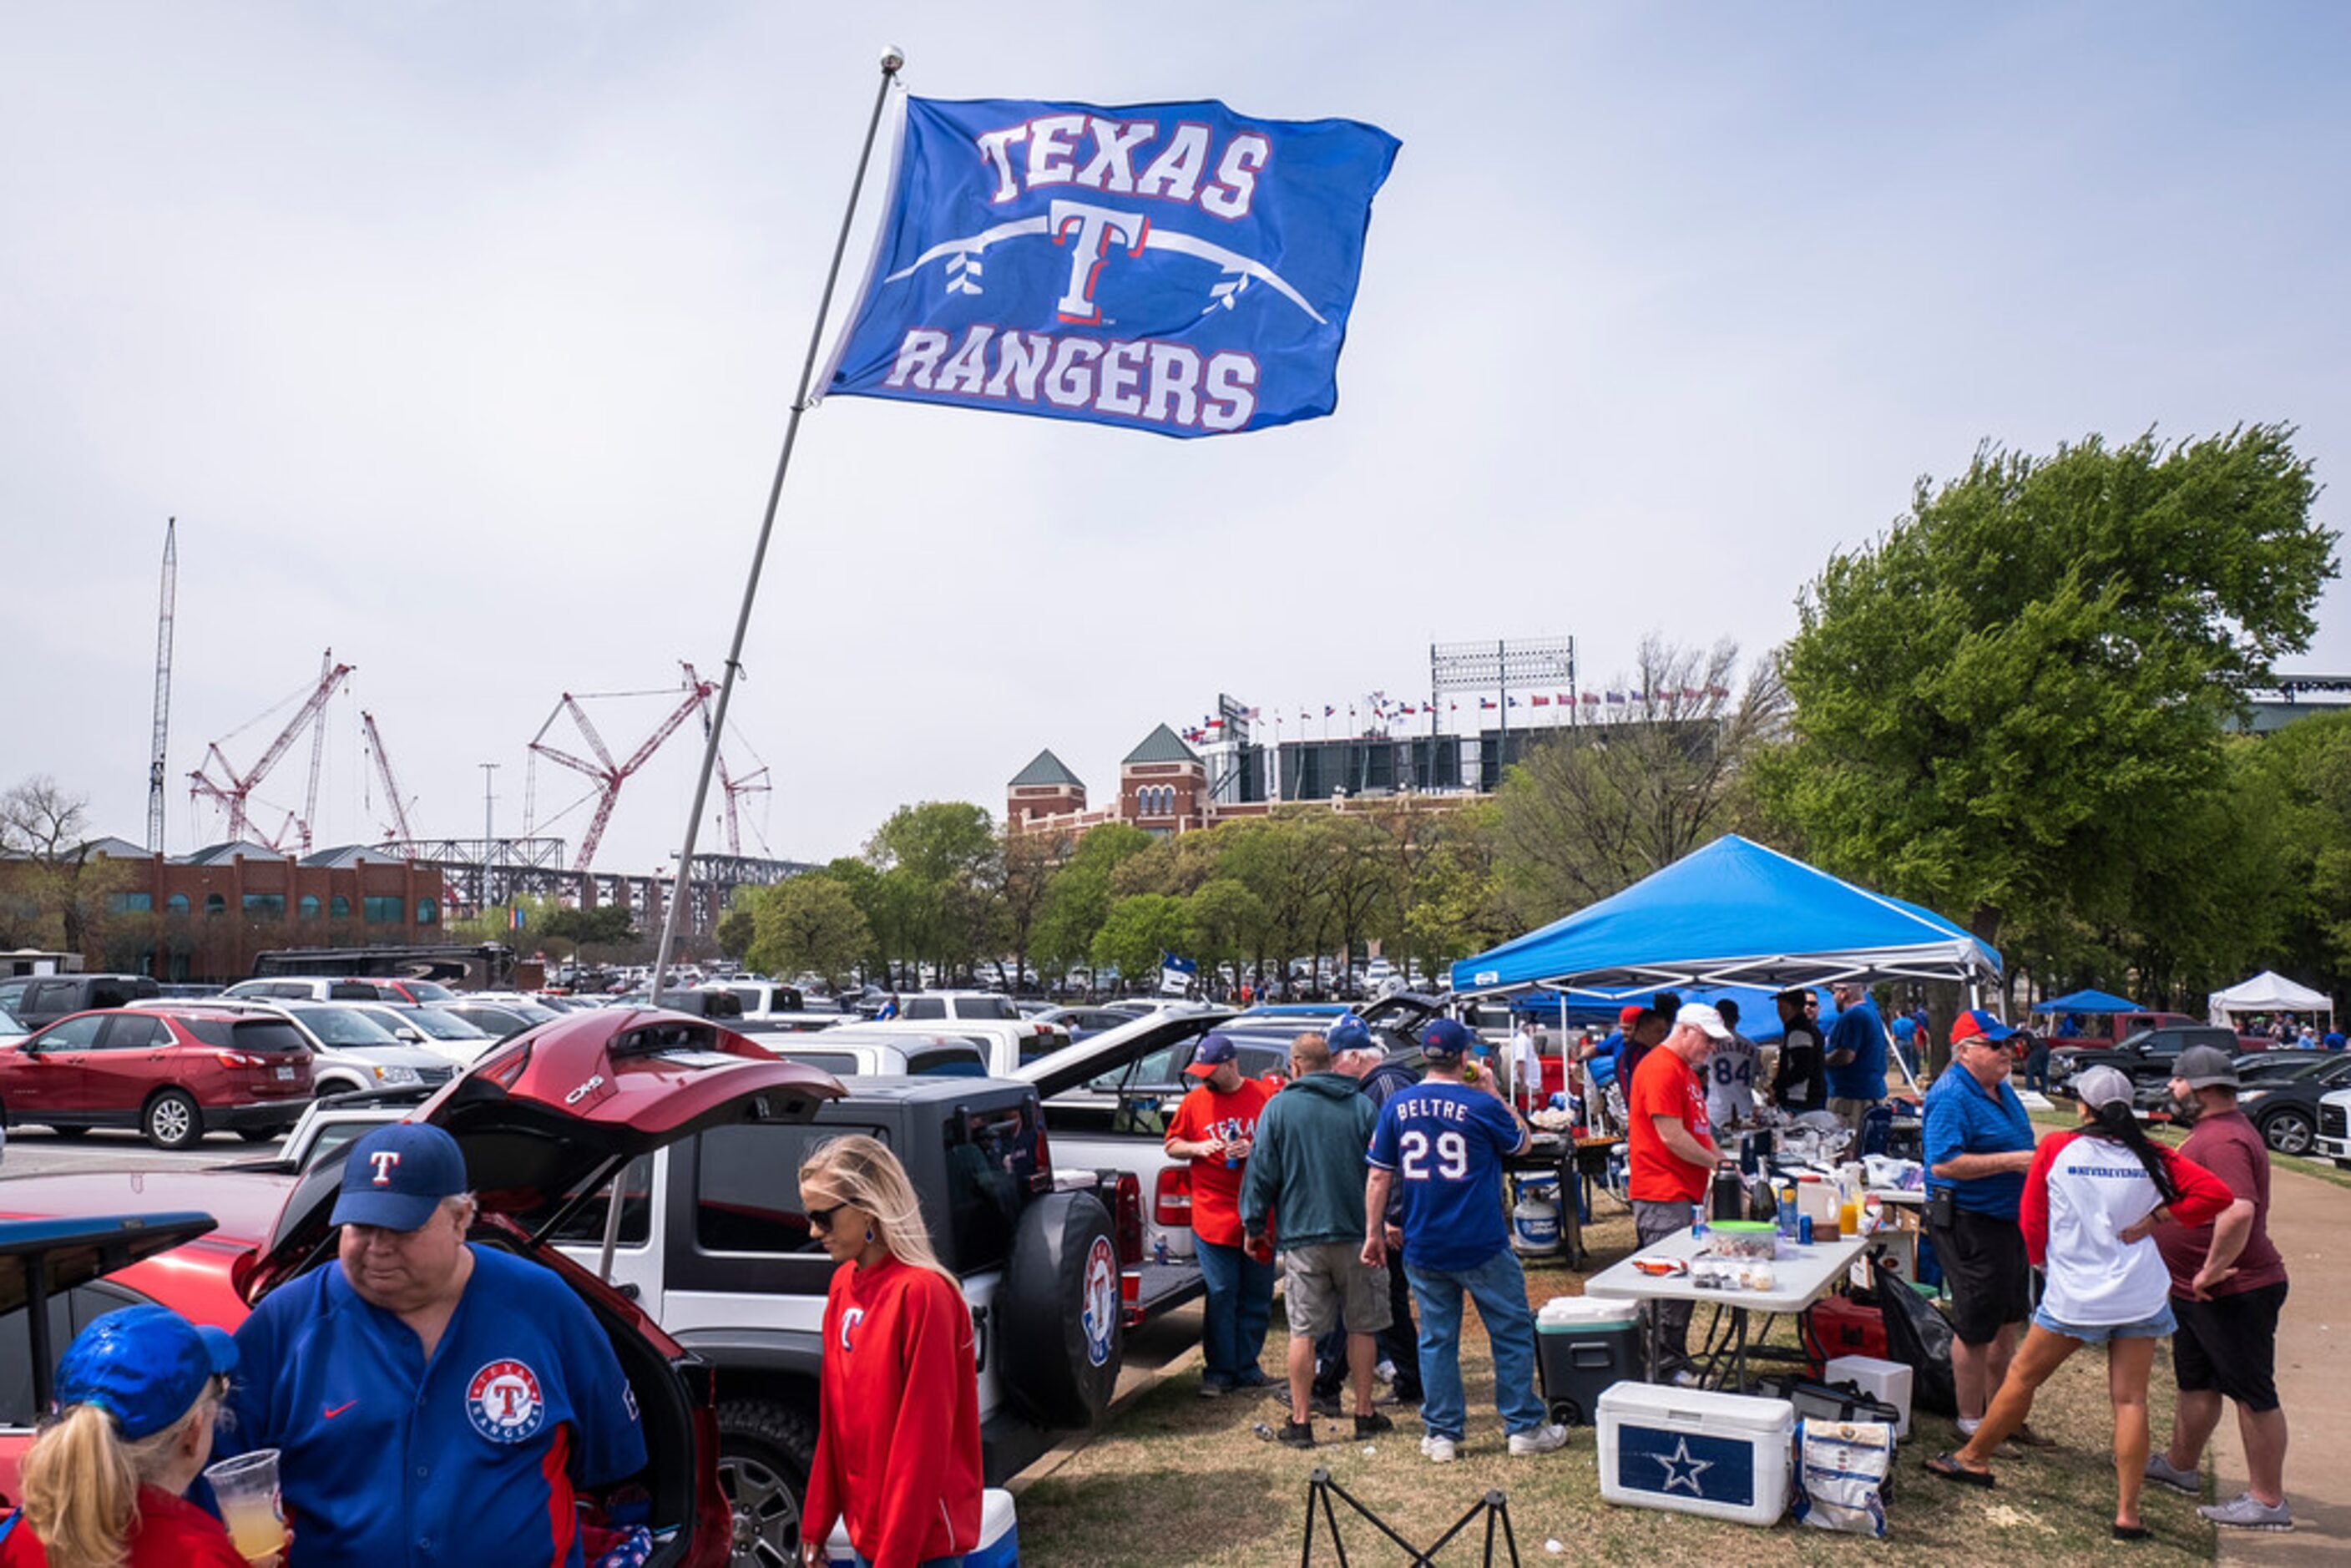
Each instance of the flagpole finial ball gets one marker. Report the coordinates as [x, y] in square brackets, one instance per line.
[893, 59]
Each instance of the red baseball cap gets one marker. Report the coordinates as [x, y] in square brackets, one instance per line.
[1631, 1014]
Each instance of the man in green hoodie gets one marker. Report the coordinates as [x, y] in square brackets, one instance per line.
[1307, 1171]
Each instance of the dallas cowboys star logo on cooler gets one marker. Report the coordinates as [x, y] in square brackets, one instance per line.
[1679, 1460]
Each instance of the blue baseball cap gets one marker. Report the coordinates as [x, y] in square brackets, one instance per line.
[145, 1366]
[1215, 1050]
[1349, 1034]
[1447, 1038]
[397, 1176]
[1978, 1024]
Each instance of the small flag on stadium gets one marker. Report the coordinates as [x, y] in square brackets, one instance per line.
[514, 917]
[1175, 268]
[1540, 702]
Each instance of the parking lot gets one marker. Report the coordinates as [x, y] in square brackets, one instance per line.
[36, 1151]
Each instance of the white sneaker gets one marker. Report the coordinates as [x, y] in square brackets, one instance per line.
[1542, 1440]
[1439, 1450]
[1384, 1371]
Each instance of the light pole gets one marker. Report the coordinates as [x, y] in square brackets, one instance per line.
[489, 837]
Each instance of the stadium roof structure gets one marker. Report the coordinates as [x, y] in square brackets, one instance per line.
[1046, 768]
[1161, 745]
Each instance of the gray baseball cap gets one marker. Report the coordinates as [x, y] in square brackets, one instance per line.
[2206, 1067]
[2102, 1085]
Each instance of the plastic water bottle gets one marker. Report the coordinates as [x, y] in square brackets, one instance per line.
[1159, 1249]
[1229, 1131]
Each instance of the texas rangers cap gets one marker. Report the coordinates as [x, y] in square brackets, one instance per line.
[1698, 1016]
[1627, 1017]
[1448, 1039]
[2206, 1067]
[145, 1366]
[1978, 1024]
[1349, 1034]
[1215, 1050]
[397, 1176]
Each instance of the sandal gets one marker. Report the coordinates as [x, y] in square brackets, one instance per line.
[1947, 1466]
[2132, 1533]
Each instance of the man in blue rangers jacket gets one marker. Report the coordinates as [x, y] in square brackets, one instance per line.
[1856, 1056]
[432, 1401]
[1442, 1144]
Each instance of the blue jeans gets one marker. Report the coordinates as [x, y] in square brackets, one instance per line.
[1238, 1308]
[1499, 1286]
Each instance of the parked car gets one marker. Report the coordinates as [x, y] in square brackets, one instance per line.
[1083, 1021]
[1004, 1044]
[348, 1049]
[2103, 1031]
[535, 1149]
[500, 1019]
[2284, 1107]
[2146, 1058]
[346, 988]
[906, 1056]
[429, 1029]
[173, 1071]
[40, 999]
[2333, 1140]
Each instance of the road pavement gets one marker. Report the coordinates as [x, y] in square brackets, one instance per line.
[36, 1151]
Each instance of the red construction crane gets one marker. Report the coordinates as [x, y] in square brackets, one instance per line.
[611, 775]
[752, 783]
[399, 837]
[233, 790]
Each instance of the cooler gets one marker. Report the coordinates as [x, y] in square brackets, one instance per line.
[1839, 1325]
[1885, 1380]
[999, 1537]
[1584, 1346]
[1725, 1456]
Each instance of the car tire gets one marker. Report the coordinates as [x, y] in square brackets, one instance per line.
[2288, 1132]
[323, 1087]
[172, 1120]
[260, 1134]
[1061, 1289]
[70, 1134]
[765, 1450]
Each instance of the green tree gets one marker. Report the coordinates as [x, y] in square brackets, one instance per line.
[1078, 895]
[2016, 696]
[1226, 921]
[737, 928]
[606, 926]
[1026, 864]
[1137, 931]
[937, 861]
[53, 873]
[807, 923]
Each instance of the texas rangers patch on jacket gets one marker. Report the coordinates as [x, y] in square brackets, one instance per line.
[1175, 268]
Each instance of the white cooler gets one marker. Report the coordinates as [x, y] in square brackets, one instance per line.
[1726, 1456]
[999, 1537]
[1886, 1380]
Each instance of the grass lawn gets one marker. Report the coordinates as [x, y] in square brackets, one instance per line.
[1183, 1480]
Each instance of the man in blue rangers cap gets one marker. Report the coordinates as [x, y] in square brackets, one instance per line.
[1441, 1144]
[432, 1401]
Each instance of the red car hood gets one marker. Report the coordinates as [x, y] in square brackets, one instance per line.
[546, 1117]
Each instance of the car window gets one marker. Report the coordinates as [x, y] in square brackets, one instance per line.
[438, 1023]
[991, 1157]
[73, 1034]
[68, 1314]
[985, 1007]
[945, 1062]
[342, 1025]
[839, 1063]
[923, 1007]
[265, 1034]
[747, 1186]
[584, 1226]
[136, 1031]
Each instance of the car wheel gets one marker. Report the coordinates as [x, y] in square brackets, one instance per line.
[326, 1086]
[70, 1134]
[258, 1134]
[2288, 1132]
[172, 1120]
[764, 1453]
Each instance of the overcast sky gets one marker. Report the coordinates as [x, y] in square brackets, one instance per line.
[460, 337]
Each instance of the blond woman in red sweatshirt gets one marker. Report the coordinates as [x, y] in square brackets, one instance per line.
[897, 1448]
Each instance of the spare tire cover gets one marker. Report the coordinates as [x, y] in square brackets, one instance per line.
[1058, 1313]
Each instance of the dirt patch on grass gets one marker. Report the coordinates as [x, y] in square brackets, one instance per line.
[1181, 1480]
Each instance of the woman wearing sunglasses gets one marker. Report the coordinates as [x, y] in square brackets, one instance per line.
[897, 1450]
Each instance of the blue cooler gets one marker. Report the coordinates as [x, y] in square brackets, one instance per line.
[1584, 1346]
[1725, 1456]
[999, 1538]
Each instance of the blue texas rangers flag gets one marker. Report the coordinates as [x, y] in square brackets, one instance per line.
[1169, 266]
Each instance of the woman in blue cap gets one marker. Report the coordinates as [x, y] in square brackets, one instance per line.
[138, 1394]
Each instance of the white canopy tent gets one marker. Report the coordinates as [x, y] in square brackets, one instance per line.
[2268, 992]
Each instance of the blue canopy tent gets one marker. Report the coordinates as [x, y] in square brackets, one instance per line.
[2087, 1002]
[1732, 914]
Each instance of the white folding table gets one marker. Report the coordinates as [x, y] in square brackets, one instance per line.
[1799, 1280]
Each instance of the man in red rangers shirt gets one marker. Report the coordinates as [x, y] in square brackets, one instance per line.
[1672, 1154]
[1214, 1128]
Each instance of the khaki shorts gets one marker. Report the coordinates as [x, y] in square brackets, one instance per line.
[1317, 1280]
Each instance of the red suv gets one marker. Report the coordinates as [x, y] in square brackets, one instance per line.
[173, 1075]
[546, 1121]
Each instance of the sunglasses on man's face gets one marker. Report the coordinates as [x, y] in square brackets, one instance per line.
[822, 1218]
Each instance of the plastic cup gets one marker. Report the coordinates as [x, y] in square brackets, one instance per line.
[247, 1489]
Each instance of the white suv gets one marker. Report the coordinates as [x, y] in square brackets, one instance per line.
[2333, 1140]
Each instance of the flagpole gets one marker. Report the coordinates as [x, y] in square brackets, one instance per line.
[893, 60]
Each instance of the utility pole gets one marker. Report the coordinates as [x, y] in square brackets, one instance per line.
[490, 837]
[162, 685]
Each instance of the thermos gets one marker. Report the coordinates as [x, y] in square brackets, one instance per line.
[1729, 1192]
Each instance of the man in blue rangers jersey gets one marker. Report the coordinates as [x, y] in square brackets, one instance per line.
[1441, 1144]
[432, 1401]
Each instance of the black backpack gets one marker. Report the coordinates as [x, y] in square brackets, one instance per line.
[1919, 1336]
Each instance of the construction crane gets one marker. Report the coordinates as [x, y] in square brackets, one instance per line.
[752, 783]
[401, 837]
[609, 777]
[233, 790]
[163, 685]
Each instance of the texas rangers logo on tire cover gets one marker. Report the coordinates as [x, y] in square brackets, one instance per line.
[1098, 1316]
[504, 1402]
[1175, 268]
